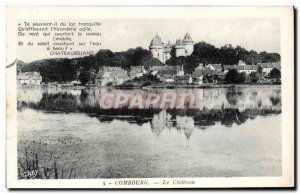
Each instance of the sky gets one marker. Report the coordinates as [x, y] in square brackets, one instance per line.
[259, 34]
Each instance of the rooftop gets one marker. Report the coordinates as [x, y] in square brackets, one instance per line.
[112, 72]
[269, 65]
[197, 73]
[167, 72]
[183, 77]
[187, 38]
[156, 41]
[163, 67]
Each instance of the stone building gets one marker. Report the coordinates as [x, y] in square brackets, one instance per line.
[111, 75]
[162, 51]
[267, 67]
[137, 71]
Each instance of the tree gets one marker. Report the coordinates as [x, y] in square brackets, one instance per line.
[206, 53]
[260, 70]
[189, 63]
[269, 57]
[152, 62]
[241, 78]
[254, 77]
[253, 58]
[228, 55]
[234, 77]
[138, 56]
[20, 65]
[207, 78]
[176, 61]
[216, 78]
[275, 73]
[104, 57]
[87, 74]
[192, 62]
[88, 68]
[109, 84]
[241, 53]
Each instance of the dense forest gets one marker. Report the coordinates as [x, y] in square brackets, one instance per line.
[85, 69]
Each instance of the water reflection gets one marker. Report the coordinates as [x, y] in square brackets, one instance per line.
[224, 106]
[161, 121]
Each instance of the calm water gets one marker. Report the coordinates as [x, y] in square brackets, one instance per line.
[231, 132]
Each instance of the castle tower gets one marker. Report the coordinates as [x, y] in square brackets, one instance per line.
[188, 44]
[179, 48]
[157, 48]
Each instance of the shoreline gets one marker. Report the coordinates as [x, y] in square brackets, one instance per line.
[160, 86]
[202, 86]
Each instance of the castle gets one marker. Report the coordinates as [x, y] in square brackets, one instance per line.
[162, 51]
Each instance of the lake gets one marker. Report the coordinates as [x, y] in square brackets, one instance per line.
[228, 132]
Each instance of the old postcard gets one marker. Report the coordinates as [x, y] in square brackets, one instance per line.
[150, 97]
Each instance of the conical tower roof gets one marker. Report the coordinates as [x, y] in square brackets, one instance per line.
[156, 41]
[187, 38]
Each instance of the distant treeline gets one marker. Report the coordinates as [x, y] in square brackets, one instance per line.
[85, 69]
[227, 55]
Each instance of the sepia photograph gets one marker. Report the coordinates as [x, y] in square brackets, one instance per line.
[167, 99]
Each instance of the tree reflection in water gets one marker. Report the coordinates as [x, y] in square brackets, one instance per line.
[224, 106]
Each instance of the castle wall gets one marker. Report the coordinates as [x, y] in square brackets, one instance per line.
[189, 49]
[180, 52]
[158, 52]
[162, 51]
[167, 56]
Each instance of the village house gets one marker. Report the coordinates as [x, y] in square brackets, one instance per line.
[246, 68]
[167, 76]
[197, 77]
[267, 67]
[241, 62]
[111, 75]
[241, 68]
[221, 75]
[201, 71]
[215, 67]
[183, 79]
[210, 68]
[180, 71]
[200, 67]
[155, 69]
[29, 78]
[208, 71]
[137, 71]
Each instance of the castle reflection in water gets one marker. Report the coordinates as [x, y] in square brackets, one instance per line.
[226, 106]
[163, 120]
